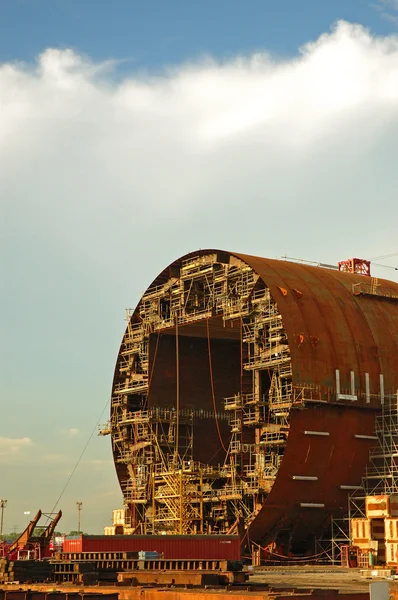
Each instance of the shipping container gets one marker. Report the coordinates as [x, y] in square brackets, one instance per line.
[360, 530]
[391, 527]
[394, 506]
[381, 506]
[377, 529]
[120, 516]
[215, 547]
[114, 530]
[377, 506]
[391, 553]
[110, 530]
[381, 552]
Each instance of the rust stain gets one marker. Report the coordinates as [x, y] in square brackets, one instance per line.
[339, 329]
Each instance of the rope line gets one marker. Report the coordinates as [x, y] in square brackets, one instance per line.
[293, 558]
[154, 361]
[212, 388]
[95, 428]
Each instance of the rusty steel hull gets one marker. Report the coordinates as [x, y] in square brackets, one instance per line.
[328, 326]
[336, 460]
[331, 327]
[342, 334]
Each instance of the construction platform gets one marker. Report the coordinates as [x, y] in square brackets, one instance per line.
[231, 365]
[125, 571]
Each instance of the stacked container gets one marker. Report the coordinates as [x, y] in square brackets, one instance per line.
[120, 519]
[360, 533]
[366, 534]
[378, 532]
[391, 532]
[386, 507]
[381, 506]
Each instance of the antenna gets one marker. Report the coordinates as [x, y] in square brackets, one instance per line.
[79, 506]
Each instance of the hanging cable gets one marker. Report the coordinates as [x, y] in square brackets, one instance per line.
[177, 456]
[384, 256]
[95, 428]
[241, 357]
[212, 388]
[287, 558]
[152, 370]
[215, 454]
[384, 266]
[241, 377]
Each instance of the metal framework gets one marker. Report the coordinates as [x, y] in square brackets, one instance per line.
[381, 476]
[168, 490]
[267, 358]
[355, 265]
[328, 547]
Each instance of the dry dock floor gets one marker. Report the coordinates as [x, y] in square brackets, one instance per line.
[313, 577]
[264, 583]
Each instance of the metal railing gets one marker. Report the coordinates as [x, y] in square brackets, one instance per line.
[233, 402]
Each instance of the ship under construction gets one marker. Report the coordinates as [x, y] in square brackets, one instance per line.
[246, 393]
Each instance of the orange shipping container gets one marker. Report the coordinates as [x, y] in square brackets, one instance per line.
[381, 553]
[377, 529]
[394, 506]
[377, 506]
[391, 553]
[120, 516]
[360, 530]
[391, 527]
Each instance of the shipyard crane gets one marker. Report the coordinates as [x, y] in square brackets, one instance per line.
[29, 543]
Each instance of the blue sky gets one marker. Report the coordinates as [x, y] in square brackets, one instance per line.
[153, 33]
[134, 132]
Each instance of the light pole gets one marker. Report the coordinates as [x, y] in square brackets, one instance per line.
[3, 504]
[79, 506]
[27, 513]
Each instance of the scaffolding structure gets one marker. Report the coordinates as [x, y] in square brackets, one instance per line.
[379, 479]
[381, 476]
[164, 487]
[336, 534]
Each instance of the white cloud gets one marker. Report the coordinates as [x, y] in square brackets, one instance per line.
[393, 4]
[11, 446]
[93, 167]
[387, 9]
[73, 432]
[104, 181]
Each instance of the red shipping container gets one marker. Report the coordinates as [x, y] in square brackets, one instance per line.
[211, 547]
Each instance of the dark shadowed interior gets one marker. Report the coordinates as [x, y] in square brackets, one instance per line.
[196, 370]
